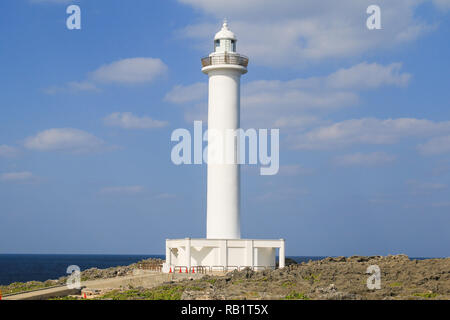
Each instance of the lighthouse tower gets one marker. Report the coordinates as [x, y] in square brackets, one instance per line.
[224, 68]
[223, 249]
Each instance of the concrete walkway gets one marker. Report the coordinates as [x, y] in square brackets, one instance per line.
[141, 278]
[145, 279]
[43, 294]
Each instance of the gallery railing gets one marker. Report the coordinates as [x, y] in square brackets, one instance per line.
[225, 58]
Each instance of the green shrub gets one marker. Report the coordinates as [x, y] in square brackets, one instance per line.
[427, 295]
[296, 296]
[395, 284]
[159, 293]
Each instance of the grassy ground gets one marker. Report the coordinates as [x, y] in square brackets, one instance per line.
[337, 278]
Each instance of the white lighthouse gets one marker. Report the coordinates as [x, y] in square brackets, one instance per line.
[223, 249]
[224, 68]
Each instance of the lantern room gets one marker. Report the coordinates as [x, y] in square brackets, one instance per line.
[225, 40]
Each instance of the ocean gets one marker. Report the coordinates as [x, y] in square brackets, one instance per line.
[41, 267]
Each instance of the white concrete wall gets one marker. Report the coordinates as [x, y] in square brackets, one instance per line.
[224, 253]
[236, 257]
[206, 256]
[264, 257]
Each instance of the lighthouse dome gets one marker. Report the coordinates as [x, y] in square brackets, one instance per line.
[225, 33]
[225, 40]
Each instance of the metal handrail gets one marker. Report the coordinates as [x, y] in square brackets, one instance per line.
[211, 268]
[256, 268]
[154, 266]
[225, 58]
[232, 268]
[204, 269]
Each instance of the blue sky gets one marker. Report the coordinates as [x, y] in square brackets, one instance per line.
[86, 118]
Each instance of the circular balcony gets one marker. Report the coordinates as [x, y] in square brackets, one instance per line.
[225, 58]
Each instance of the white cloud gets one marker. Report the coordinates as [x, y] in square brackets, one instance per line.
[418, 187]
[122, 190]
[8, 151]
[444, 204]
[165, 196]
[442, 4]
[195, 93]
[53, 1]
[364, 159]
[184, 94]
[441, 168]
[365, 75]
[296, 94]
[433, 186]
[283, 194]
[294, 170]
[17, 177]
[277, 104]
[133, 190]
[294, 33]
[64, 139]
[73, 87]
[289, 104]
[127, 120]
[130, 71]
[435, 146]
[197, 112]
[367, 131]
[299, 122]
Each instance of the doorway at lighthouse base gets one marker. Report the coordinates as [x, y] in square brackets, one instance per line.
[223, 254]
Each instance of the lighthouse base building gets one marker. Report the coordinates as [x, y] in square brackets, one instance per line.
[223, 254]
[223, 249]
